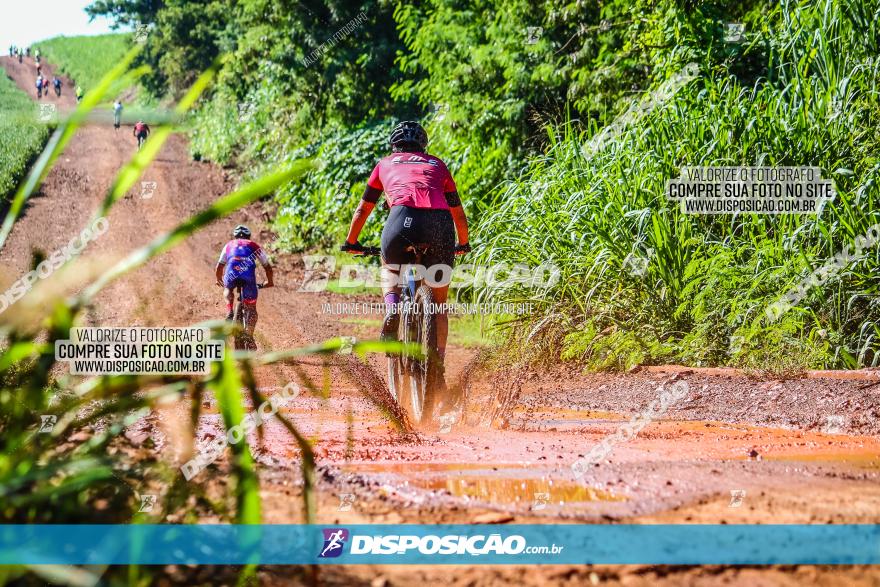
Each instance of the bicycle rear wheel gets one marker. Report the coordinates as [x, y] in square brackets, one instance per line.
[242, 341]
[421, 373]
[238, 340]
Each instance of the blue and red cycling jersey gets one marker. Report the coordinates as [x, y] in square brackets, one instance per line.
[240, 256]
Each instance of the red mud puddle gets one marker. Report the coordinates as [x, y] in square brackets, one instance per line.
[706, 439]
[561, 418]
[497, 484]
[738, 441]
[867, 460]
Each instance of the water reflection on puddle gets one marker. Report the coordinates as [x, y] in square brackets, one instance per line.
[498, 484]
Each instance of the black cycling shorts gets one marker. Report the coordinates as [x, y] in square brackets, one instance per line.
[407, 227]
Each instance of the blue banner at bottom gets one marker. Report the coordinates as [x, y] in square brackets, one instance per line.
[668, 544]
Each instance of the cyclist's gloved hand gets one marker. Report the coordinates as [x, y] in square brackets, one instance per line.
[354, 249]
[462, 249]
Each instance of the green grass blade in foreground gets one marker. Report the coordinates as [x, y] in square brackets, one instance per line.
[58, 142]
[65, 575]
[337, 345]
[219, 209]
[227, 389]
[21, 350]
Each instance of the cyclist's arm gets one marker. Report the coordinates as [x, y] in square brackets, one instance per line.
[459, 218]
[270, 277]
[221, 266]
[267, 267]
[461, 224]
[365, 207]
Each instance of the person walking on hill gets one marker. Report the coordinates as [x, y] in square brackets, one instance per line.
[56, 81]
[46, 86]
[117, 114]
[79, 93]
[39, 85]
[20, 54]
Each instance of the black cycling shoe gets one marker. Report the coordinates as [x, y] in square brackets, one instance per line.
[389, 327]
[230, 316]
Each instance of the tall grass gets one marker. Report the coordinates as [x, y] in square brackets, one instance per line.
[22, 135]
[709, 279]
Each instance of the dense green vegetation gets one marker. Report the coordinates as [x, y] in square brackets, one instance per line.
[85, 60]
[22, 135]
[710, 279]
[513, 93]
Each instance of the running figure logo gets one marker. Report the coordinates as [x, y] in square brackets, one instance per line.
[334, 540]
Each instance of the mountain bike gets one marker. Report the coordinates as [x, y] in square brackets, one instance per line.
[141, 140]
[245, 323]
[415, 381]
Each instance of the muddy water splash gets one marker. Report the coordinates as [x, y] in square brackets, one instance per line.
[496, 406]
[374, 388]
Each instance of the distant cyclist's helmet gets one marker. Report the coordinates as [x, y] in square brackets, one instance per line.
[241, 231]
[409, 131]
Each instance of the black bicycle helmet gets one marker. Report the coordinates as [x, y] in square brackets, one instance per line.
[241, 231]
[409, 131]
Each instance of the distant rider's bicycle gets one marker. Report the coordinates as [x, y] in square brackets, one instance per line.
[415, 381]
[245, 319]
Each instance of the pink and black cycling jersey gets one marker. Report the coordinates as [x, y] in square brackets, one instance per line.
[417, 180]
[240, 257]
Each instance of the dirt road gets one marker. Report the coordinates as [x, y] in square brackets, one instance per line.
[733, 449]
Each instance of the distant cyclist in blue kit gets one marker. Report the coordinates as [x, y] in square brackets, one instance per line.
[237, 267]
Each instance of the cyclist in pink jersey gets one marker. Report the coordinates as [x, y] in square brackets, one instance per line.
[425, 208]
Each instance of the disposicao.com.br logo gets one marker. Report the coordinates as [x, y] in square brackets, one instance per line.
[449, 544]
[334, 541]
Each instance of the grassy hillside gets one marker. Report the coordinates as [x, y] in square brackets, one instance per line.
[86, 59]
[22, 135]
